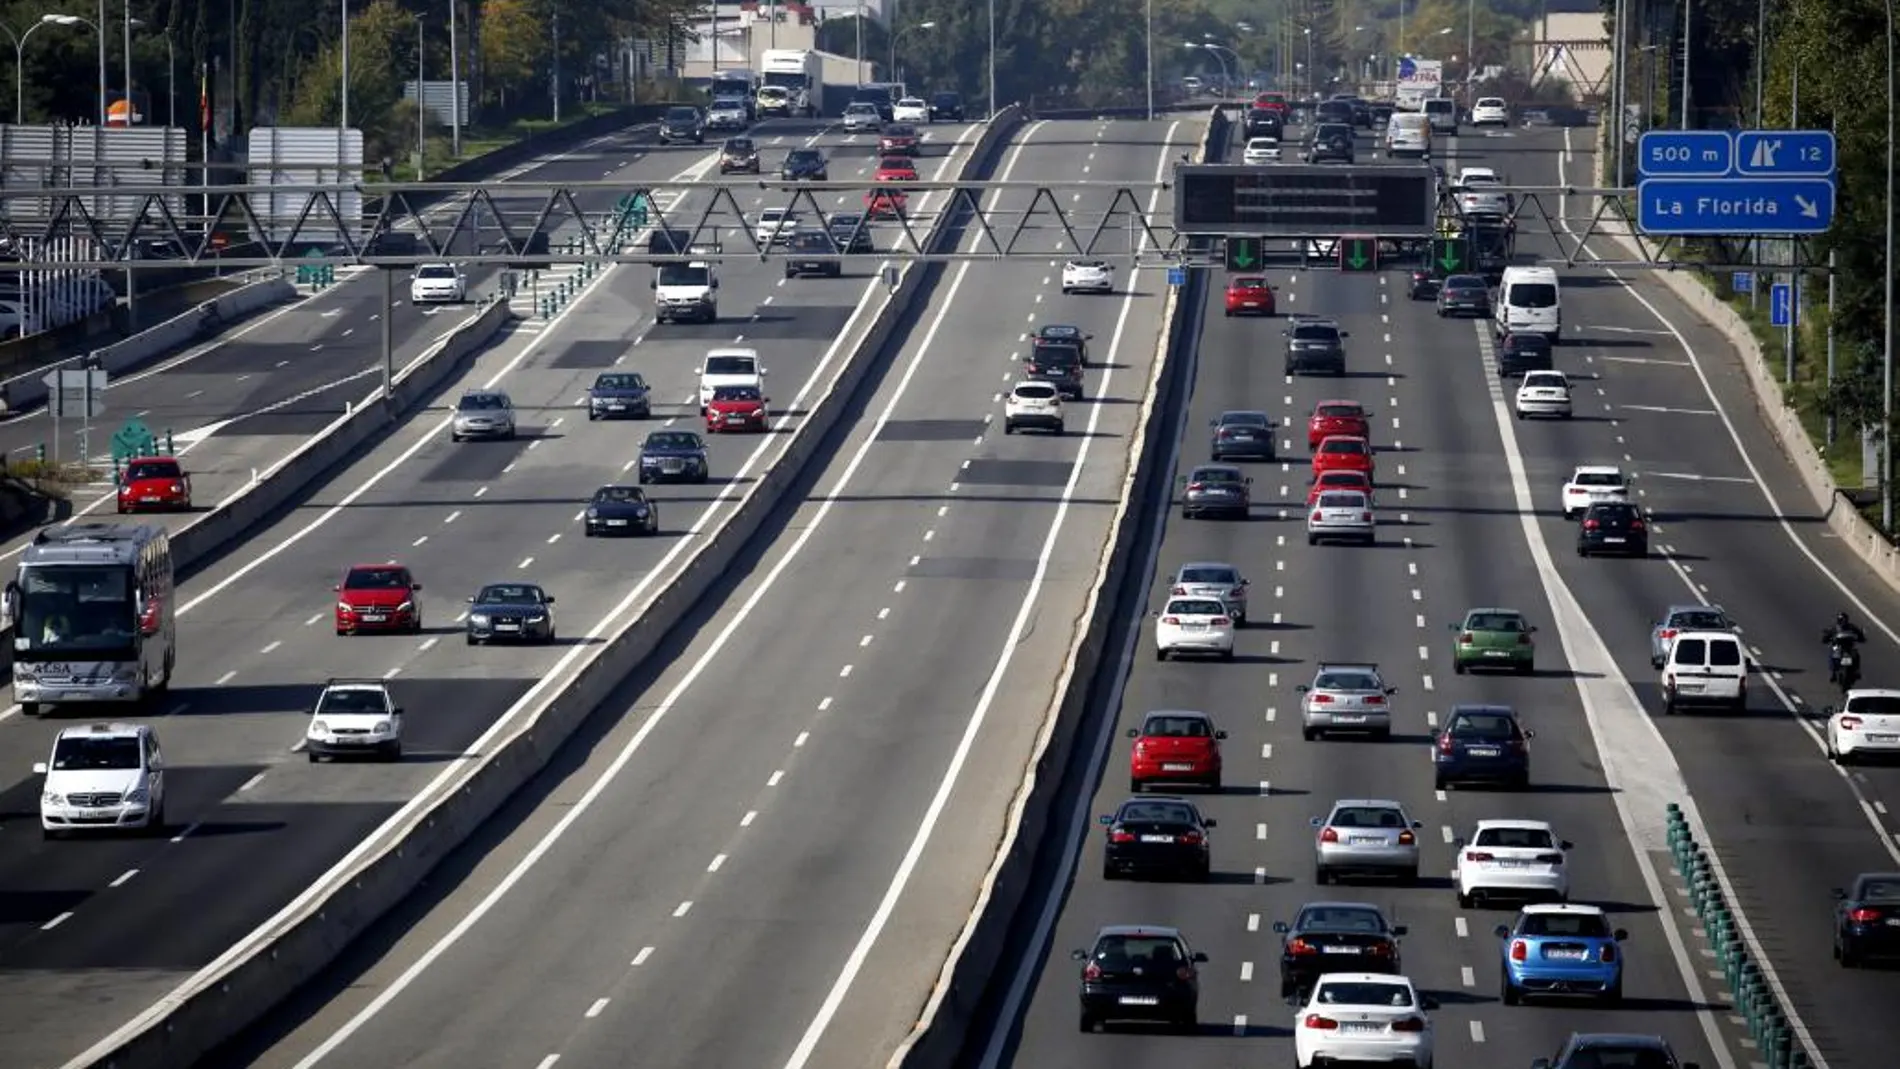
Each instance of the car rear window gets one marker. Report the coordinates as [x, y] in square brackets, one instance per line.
[1699, 620]
[1578, 925]
[1514, 838]
[1363, 816]
[1036, 393]
[1873, 705]
[1599, 478]
[1121, 950]
[1494, 621]
[1483, 726]
[1250, 283]
[1176, 727]
[1209, 575]
[1340, 411]
[1551, 379]
[1157, 813]
[1363, 993]
[1690, 651]
[1532, 295]
[154, 469]
[1216, 475]
[1340, 919]
[1315, 334]
[1342, 499]
[1196, 607]
[1725, 652]
[1346, 680]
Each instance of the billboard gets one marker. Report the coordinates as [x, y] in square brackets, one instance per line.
[1421, 73]
[306, 155]
[69, 157]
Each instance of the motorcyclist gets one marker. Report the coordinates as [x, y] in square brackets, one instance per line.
[1841, 635]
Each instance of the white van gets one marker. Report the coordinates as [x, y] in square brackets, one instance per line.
[1528, 301]
[1443, 112]
[1408, 134]
[1705, 668]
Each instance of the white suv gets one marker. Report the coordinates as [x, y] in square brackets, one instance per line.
[354, 716]
[104, 776]
[1510, 859]
[1033, 404]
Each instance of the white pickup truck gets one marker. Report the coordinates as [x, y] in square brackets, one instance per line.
[686, 291]
[729, 367]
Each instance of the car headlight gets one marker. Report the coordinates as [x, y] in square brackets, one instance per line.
[50, 798]
[593, 513]
[538, 619]
[381, 727]
[138, 796]
[406, 606]
[319, 727]
[344, 606]
[479, 619]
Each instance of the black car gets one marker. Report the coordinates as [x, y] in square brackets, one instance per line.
[1867, 920]
[1611, 1051]
[1462, 295]
[813, 252]
[1612, 527]
[682, 124]
[1334, 111]
[946, 107]
[851, 231]
[1067, 335]
[615, 394]
[510, 612]
[618, 510]
[1140, 973]
[1423, 284]
[1381, 115]
[805, 164]
[739, 155]
[1058, 363]
[1335, 937]
[1315, 345]
[673, 457]
[663, 241]
[1481, 744]
[1264, 122]
[1331, 141]
[1242, 434]
[1166, 836]
[1522, 353]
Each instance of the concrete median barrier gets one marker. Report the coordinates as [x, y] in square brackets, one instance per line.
[240, 987]
[942, 1031]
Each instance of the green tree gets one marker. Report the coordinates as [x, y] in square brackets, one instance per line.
[514, 45]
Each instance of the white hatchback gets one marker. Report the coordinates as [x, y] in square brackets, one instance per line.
[1088, 276]
[1341, 516]
[1592, 483]
[1490, 111]
[1543, 393]
[434, 283]
[1261, 150]
[1363, 1017]
[1866, 724]
[910, 109]
[354, 718]
[1033, 404]
[1510, 859]
[1194, 625]
[776, 226]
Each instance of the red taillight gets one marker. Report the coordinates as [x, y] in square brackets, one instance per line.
[1221, 621]
[1636, 525]
[1314, 1020]
[1196, 487]
[1328, 835]
[1524, 639]
[1550, 859]
[1668, 633]
[1184, 974]
[1178, 591]
[1850, 722]
[1465, 639]
[1224, 433]
[1589, 525]
[1406, 838]
[1380, 950]
[1365, 517]
[1444, 744]
[1375, 699]
[1322, 699]
[1121, 837]
[1477, 855]
[1316, 516]
[1300, 948]
[1607, 954]
[1093, 972]
[1193, 838]
[1863, 915]
[1520, 950]
[1170, 619]
[1409, 1024]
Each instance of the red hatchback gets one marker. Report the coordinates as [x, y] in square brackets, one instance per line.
[1175, 747]
[736, 408]
[896, 169]
[155, 484]
[1343, 453]
[1337, 417]
[1271, 102]
[1339, 480]
[377, 597]
[885, 204]
[1249, 295]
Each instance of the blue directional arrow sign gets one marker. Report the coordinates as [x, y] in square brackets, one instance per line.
[1784, 153]
[1781, 304]
[1734, 205]
[1685, 154]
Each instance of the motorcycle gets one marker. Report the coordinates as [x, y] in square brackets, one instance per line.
[1846, 664]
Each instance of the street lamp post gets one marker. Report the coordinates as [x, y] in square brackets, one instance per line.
[19, 64]
[891, 71]
[1148, 53]
[1311, 74]
[1886, 328]
[98, 28]
[1214, 50]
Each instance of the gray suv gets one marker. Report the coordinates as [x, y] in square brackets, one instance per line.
[1331, 141]
[1314, 344]
[483, 414]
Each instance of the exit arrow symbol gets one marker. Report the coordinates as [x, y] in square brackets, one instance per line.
[1243, 256]
[1808, 208]
[1358, 258]
[1449, 259]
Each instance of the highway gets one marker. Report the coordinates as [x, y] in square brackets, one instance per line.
[96, 930]
[782, 828]
[1450, 537]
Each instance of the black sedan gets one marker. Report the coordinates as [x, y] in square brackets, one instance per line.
[946, 107]
[1867, 919]
[739, 154]
[510, 612]
[1586, 1050]
[1481, 743]
[1464, 295]
[1166, 836]
[1140, 973]
[619, 393]
[812, 252]
[1521, 354]
[1335, 937]
[1612, 527]
[616, 510]
[851, 231]
[806, 164]
[1245, 434]
[673, 457]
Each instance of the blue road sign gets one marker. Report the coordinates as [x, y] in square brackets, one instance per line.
[1177, 276]
[1685, 154]
[1734, 205]
[1744, 281]
[1781, 304]
[1784, 153]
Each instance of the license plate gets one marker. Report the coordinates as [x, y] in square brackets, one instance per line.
[616, 523]
[1512, 864]
[1496, 653]
[1360, 1027]
[1893, 922]
[1882, 738]
[1139, 1000]
[1564, 955]
[1349, 718]
[1614, 541]
[1181, 766]
[374, 617]
[1484, 751]
[1367, 840]
[507, 627]
[1339, 950]
[672, 465]
[1193, 627]
[1157, 838]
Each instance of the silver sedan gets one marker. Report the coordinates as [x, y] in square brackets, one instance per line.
[1680, 618]
[1346, 697]
[483, 414]
[1365, 836]
[1209, 579]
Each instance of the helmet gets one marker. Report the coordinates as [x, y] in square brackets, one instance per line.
[1841, 620]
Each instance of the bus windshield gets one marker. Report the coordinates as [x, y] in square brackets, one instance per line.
[75, 610]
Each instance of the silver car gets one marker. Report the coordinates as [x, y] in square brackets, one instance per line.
[1365, 837]
[1213, 580]
[1341, 516]
[483, 414]
[1680, 618]
[1345, 697]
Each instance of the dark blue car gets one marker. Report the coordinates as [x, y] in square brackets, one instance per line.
[619, 394]
[1482, 744]
[673, 457]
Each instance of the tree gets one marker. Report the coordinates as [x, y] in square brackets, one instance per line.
[514, 44]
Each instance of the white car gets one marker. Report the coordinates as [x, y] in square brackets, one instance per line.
[1592, 483]
[1868, 722]
[1033, 404]
[1363, 1017]
[354, 717]
[1341, 516]
[1510, 859]
[727, 115]
[776, 226]
[1261, 150]
[1088, 276]
[1490, 111]
[862, 116]
[1477, 178]
[438, 283]
[1543, 393]
[102, 777]
[1194, 625]
[910, 109]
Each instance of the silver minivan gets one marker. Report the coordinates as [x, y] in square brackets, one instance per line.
[1443, 114]
[1705, 668]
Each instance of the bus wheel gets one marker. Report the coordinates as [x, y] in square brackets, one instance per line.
[29, 708]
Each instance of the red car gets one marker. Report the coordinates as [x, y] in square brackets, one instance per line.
[1249, 295]
[885, 204]
[1271, 102]
[736, 408]
[377, 597]
[1175, 747]
[896, 169]
[897, 140]
[1343, 452]
[1339, 479]
[1329, 418]
[157, 484]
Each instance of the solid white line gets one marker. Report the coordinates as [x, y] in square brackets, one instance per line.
[124, 878]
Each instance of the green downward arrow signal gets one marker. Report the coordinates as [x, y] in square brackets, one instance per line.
[1243, 256]
[1357, 260]
[1449, 258]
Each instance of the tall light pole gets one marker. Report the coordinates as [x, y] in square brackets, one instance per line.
[343, 112]
[1688, 9]
[455, 85]
[890, 72]
[1888, 267]
[1215, 51]
[19, 64]
[98, 28]
[422, 110]
[1220, 52]
[992, 59]
[1312, 75]
[1148, 51]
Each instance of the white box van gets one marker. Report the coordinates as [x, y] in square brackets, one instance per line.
[1443, 112]
[1705, 668]
[1408, 134]
[1528, 301]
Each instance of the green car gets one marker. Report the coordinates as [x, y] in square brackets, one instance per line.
[1493, 638]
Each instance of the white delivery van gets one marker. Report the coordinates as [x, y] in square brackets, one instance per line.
[1705, 668]
[1443, 112]
[1528, 301]
[1409, 134]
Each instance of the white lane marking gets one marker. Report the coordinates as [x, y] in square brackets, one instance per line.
[1246, 972]
[599, 1005]
[1477, 1031]
[225, 678]
[750, 816]
[718, 862]
[124, 878]
[641, 958]
[1458, 925]
[1467, 977]
[314, 617]
[269, 647]
[548, 1062]
[775, 778]
[801, 740]
[57, 921]
[1253, 922]
[683, 908]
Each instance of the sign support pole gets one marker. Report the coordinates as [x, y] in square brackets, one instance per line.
[85, 419]
[389, 338]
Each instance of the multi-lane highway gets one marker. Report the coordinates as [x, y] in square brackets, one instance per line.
[762, 856]
[96, 930]
[1451, 537]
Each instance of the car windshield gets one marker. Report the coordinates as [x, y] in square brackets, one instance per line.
[1315, 333]
[509, 594]
[736, 393]
[435, 271]
[153, 469]
[90, 753]
[1365, 816]
[740, 144]
[896, 163]
[1336, 680]
[348, 700]
[1195, 607]
[1598, 478]
[482, 402]
[1220, 576]
[861, 108]
[1341, 411]
[681, 115]
[1036, 393]
[1698, 620]
[844, 222]
[803, 155]
[672, 440]
[620, 381]
[729, 365]
[685, 275]
[1342, 499]
[773, 215]
[1339, 919]
[1573, 925]
[1483, 726]
[1514, 838]
[625, 495]
[1599, 1057]
[1263, 143]
[1363, 993]
[1342, 445]
[1156, 813]
[1059, 330]
[1533, 295]
[1494, 621]
[376, 579]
